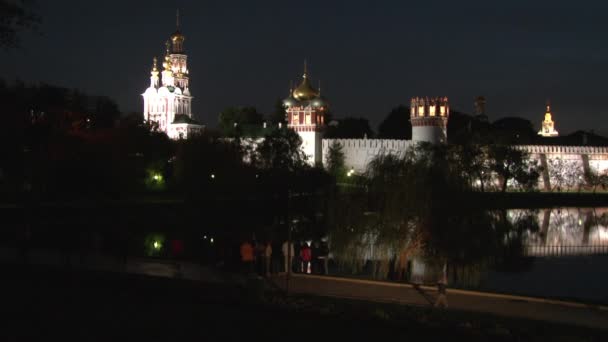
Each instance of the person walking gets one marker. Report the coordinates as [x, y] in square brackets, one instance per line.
[288, 254]
[402, 266]
[442, 299]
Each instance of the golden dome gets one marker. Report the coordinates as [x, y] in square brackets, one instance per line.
[177, 35]
[305, 91]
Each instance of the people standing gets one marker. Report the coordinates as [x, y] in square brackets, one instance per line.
[247, 257]
[259, 250]
[288, 254]
[267, 257]
[324, 256]
[305, 257]
[315, 251]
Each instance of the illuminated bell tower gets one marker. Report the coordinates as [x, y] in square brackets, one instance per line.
[548, 126]
[306, 109]
[179, 60]
[168, 102]
[429, 118]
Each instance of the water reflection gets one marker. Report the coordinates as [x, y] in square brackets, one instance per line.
[564, 231]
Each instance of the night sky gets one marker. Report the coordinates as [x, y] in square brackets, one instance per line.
[369, 55]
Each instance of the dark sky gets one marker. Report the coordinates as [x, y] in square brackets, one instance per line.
[369, 55]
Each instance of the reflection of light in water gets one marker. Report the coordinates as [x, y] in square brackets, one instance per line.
[568, 231]
[602, 234]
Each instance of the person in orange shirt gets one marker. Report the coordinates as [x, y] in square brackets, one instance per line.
[247, 257]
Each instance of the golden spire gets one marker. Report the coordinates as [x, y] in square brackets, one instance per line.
[167, 62]
[305, 75]
[154, 65]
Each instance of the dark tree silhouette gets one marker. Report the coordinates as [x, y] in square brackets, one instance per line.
[349, 128]
[15, 17]
[396, 125]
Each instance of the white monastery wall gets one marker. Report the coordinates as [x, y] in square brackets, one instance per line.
[359, 152]
[569, 159]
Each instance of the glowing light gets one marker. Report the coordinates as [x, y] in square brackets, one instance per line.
[157, 245]
[211, 240]
[212, 176]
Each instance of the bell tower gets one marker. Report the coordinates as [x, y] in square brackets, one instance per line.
[167, 101]
[548, 126]
[306, 110]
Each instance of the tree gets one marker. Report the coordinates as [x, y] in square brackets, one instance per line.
[595, 180]
[396, 125]
[474, 163]
[513, 131]
[279, 115]
[335, 160]
[414, 204]
[15, 17]
[565, 174]
[246, 119]
[349, 128]
[280, 150]
[512, 164]
[466, 129]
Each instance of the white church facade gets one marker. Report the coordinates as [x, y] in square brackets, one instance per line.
[167, 101]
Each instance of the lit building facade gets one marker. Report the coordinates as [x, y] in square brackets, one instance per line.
[548, 126]
[167, 101]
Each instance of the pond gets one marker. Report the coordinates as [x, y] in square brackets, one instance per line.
[566, 258]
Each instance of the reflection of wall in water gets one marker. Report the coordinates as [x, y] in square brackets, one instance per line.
[566, 231]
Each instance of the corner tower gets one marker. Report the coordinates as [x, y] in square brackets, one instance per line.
[429, 118]
[306, 110]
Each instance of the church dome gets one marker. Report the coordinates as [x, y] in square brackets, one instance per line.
[319, 102]
[177, 40]
[305, 92]
[177, 35]
[289, 102]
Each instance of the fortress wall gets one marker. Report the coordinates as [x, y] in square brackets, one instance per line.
[566, 164]
[597, 155]
[359, 152]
